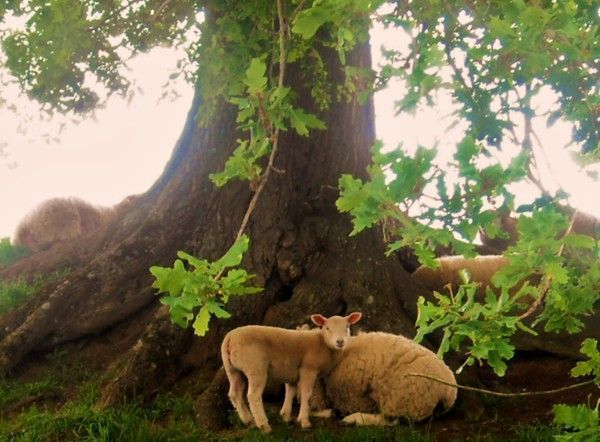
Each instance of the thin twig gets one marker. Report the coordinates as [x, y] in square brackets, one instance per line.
[297, 11]
[275, 135]
[497, 393]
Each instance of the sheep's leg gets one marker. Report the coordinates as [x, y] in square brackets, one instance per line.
[361, 419]
[286, 409]
[256, 386]
[236, 396]
[306, 385]
[323, 414]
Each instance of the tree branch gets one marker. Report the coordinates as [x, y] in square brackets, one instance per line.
[275, 134]
[497, 393]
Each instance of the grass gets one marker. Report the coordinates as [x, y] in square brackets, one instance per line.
[14, 293]
[172, 418]
[69, 392]
[10, 253]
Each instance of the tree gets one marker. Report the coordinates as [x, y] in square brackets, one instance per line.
[283, 117]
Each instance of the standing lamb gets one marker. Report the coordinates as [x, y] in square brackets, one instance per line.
[372, 383]
[294, 357]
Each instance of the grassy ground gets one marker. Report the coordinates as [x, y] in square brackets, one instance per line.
[60, 405]
[14, 293]
[10, 253]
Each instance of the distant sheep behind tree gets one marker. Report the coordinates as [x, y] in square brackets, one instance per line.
[482, 269]
[63, 219]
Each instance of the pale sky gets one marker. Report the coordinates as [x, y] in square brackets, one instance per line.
[125, 149]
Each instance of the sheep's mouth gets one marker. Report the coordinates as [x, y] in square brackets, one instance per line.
[340, 346]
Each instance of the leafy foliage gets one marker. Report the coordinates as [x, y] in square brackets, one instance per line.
[589, 348]
[486, 327]
[578, 422]
[399, 181]
[581, 422]
[194, 295]
[495, 61]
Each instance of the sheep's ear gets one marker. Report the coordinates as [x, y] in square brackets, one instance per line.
[354, 317]
[319, 320]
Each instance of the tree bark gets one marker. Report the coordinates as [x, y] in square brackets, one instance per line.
[300, 249]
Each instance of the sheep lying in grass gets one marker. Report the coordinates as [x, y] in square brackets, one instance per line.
[64, 219]
[372, 383]
[481, 268]
[294, 357]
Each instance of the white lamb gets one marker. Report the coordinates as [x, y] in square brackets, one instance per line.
[373, 383]
[294, 357]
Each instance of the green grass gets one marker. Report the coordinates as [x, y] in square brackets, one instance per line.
[73, 415]
[171, 418]
[14, 293]
[10, 253]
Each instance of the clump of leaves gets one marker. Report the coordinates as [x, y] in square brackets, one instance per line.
[400, 182]
[577, 422]
[484, 325]
[10, 253]
[581, 422]
[483, 329]
[261, 110]
[199, 290]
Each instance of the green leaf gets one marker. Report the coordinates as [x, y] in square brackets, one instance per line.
[169, 280]
[217, 309]
[256, 78]
[201, 322]
[579, 241]
[308, 22]
[234, 255]
[302, 121]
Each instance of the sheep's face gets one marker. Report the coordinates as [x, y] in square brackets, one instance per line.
[336, 329]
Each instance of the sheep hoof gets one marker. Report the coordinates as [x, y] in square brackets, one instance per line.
[286, 417]
[352, 419]
[265, 428]
[304, 424]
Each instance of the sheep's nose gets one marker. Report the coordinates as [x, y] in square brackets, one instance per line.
[340, 343]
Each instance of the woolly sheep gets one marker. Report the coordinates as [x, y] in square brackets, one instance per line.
[372, 383]
[63, 219]
[294, 357]
[481, 268]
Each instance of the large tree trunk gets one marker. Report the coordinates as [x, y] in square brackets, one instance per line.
[300, 249]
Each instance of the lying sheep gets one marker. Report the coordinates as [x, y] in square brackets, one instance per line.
[481, 269]
[294, 357]
[63, 219]
[372, 384]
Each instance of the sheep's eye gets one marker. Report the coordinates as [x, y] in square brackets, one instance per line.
[326, 328]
